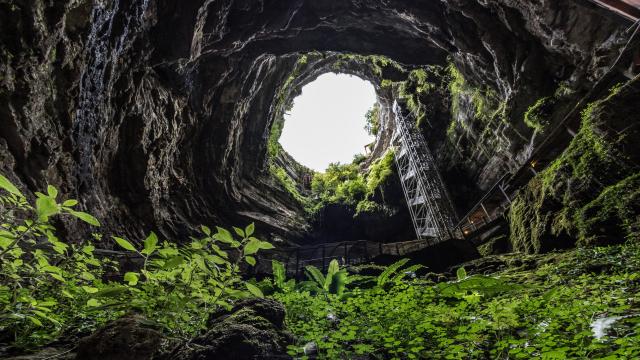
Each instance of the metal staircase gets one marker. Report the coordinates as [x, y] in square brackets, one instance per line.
[431, 209]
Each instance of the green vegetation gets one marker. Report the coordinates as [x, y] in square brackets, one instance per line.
[348, 185]
[50, 287]
[289, 185]
[372, 118]
[419, 85]
[489, 109]
[537, 116]
[587, 193]
[543, 307]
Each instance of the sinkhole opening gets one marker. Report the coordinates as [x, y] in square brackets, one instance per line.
[328, 121]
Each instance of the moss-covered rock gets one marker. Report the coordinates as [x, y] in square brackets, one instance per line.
[128, 338]
[253, 329]
[589, 195]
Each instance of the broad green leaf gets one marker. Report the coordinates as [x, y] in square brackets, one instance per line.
[265, 245]
[254, 290]
[218, 260]
[67, 294]
[87, 276]
[334, 267]
[45, 207]
[89, 289]
[8, 186]
[89, 219]
[93, 303]
[250, 260]
[57, 277]
[279, 273]
[239, 231]
[316, 275]
[150, 244]
[252, 247]
[35, 321]
[124, 243]
[461, 274]
[250, 229]
[390, 270]
[52, 191]
[5, 242]
[70, 203]
[205, 230]
[173, 262]
[132, 278]
[223, 235]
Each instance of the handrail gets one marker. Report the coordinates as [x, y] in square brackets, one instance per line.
[482, 200]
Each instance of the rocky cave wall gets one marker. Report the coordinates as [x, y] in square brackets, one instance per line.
[156, 113]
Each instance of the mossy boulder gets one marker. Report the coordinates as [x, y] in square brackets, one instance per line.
[128, 338]
[253, 329]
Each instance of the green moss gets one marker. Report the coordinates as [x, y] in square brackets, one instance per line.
[289, 185]
[613, 213]
[488, 107]
[379, 172]
[586, 194]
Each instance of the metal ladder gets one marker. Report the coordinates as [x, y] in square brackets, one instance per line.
[431, 209]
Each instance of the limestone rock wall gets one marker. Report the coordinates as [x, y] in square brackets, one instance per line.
[156, 113]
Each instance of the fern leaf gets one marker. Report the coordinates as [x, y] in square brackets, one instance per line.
[384, 277]
[316, 275]
[406, 271]
[334, 267]
[279, 273]
[338, 282]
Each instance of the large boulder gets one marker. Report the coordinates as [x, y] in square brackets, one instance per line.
[128, 338]
[253, 329]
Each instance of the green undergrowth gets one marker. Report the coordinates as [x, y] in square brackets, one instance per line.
[52, 289]
[589, 193]
[537, 307]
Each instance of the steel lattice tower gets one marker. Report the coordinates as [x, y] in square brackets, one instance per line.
[431, 209]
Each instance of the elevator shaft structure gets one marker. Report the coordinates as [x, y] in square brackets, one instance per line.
[432, 212]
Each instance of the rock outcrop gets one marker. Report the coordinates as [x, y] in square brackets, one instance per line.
[254, 329]
[156, 113]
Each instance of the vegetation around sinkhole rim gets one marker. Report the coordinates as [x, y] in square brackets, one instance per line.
[326, 123]
[331, 127]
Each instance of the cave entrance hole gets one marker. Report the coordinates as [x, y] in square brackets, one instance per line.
[327, 122]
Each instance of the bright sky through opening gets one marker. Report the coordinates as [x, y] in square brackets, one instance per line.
[326, 123]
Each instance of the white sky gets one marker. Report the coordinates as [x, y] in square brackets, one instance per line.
[326, 123]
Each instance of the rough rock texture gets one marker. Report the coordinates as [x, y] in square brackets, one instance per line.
[590, 194]
[252, 330]
[156, 113]
[128, 338]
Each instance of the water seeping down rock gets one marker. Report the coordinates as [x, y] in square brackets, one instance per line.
[156, 114]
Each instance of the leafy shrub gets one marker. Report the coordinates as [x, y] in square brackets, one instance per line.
[50, 287]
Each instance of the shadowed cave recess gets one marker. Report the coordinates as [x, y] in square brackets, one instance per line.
[163, 115]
